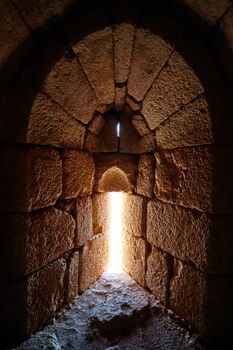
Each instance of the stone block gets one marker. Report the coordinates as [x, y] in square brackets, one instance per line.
[176, 85]
[124, 172]
[157, 274]
[96, 124]
[106, 140]
[120, 93]
[93, 261]
[140, 125]
[134, 257]
[95, 53]
[134, 215]
[83, 217]
[49, 124]
[190, 126]
[123, 37]
[101, 212]
[203, 300]
[31, 178]
[33, 240]
[37, 14]
[72, 277]
[78, 173]
[15, 44]
[45, 294]
[196, 178]
[146, 178]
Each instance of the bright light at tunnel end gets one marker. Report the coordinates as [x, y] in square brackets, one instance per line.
[115, 237]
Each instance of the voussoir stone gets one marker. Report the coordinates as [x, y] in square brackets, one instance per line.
[83, 218]
[134, 215]
[146, 178]
[190, 126]
[123, 36]
[93, 261]
[32, 178]
[72, 278]
[78, 173]
[157, 274]
[33, 240]
[176, 85]
[49, 124]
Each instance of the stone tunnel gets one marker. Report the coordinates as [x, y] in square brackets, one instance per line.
[125, 97]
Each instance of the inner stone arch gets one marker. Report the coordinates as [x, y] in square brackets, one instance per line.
[64, 142]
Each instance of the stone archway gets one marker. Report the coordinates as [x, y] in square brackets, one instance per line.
[166, 90]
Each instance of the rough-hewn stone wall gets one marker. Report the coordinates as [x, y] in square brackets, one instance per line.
[165, 85]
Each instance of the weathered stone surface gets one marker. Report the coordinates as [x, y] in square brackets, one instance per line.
[134, 257]
[176, 85]
[33, 240]
[120, 94]
[134, 105]
[31, 178]
[124, 166]
[157, 274]
[49, 124]
[149, 54]
[67, 84]
[125, 305]
[182, 232]
[190, 126]
[96, 124]
[14, 43]
[140, 125]
[37, 14]
[196, 178]
[100, 205]
[84, 225]
[134, 215]
[106, 140]
[45, 294]
[123, 36]
[72, 277]
[187, 294]
[145, 179]
[131, 141]
[78, 173]
[93, 261]
[95, 52]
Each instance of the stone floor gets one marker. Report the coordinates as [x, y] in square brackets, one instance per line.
[114, 314]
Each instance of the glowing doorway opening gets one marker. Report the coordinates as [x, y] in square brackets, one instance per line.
[115, 237]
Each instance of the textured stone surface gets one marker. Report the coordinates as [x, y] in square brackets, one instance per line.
[134, 215]
[133, 104]
[36, 14]
[190, 126]
[149, 54]
[67, 84]
[100, 205]
[176, 85]
[145, 179]
[157, 274]
[124, 166]
[78, 173]
[187, 293]
[140, 125]
[120, 94]
[33, 240]
[185, 177]
[49, 124]
[13, 42]
[45, 294]
[106, 140]
[95, 52]
[123, 35]
[96, 124]
[134, 257]
[72, 278]
[93, 261]
[125, 305]
[84, 225]
[32, 178]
